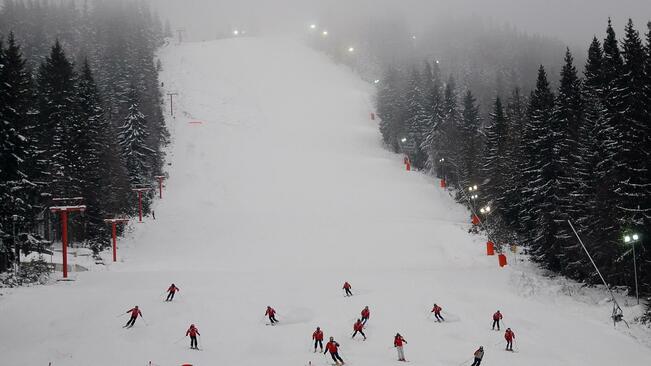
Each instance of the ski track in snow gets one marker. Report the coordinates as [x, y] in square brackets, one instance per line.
[278, 197]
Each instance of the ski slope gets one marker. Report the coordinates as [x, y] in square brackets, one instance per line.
[281, 194]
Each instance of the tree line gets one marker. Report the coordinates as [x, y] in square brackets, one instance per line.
[80, 115]
[579, 152]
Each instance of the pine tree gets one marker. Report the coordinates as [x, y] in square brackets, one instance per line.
[390, 108]
[418, 121]
[444, 144]
[434, 105]
[569, 115]
[469, 141]
[132, 137]
[58, 124]
[539, 169]
[495, 159]
[516, 114]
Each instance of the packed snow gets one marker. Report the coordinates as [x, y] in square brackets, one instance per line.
[279, 192]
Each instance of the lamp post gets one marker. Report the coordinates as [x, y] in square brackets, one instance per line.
[632, 239]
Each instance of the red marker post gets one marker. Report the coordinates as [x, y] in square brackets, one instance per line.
[140, 191]
[114, 223]
[63, 210]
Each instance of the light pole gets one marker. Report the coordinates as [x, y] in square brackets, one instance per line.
[632, 239]
[16, 246]
[442, 162]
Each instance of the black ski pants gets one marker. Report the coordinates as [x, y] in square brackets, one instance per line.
[193, 342]
[438, 316]
[335, 357]
[477, 362]
[272, 319]
[496, 322]
[318, 342]
[170, 296]
[348, 293]
[360, 332]
[131, 321]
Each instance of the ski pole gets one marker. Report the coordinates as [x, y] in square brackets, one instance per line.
[121, 315]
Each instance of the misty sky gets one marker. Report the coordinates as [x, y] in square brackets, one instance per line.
[572, 21]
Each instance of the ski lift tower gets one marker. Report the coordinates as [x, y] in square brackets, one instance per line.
[140, 191]
[63, 211]
[114, 223]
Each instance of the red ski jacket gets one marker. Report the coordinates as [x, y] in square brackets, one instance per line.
[192, 332]
[270, 312]
[437, 310]
[366, 313]
[497, 316]
[332, 347]
[358, 326]
[509, 335]
[397, 342]
[347, 285]
[173, 289]
[134, 312]
[317, 335]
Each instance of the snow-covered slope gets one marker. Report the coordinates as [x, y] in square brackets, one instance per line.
[278, 197]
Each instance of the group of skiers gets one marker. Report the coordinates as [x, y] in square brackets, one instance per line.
[193, 331]
[332, 346]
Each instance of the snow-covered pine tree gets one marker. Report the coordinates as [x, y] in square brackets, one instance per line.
[418, 121]
[569, 115]
[494, 160]
[539, 173]
[434, 105]
[17, 149]
[444, 143]
[390, 108]
[516, 114]
[132, 137]
[469, 141]
[58, 124]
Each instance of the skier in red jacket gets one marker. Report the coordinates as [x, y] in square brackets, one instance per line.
[347, 288]
[193, 332]
[437, 313]
[359, 327]
[496, 319]
[318, 338]
[333, 348]
[366, 313]
[134, 315]
[397, 343]
[271, 313]
[171, 291]
[509, 336]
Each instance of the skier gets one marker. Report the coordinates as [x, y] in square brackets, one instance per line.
[134, 315]
[272, 315]
[365, 315]
[509, 336]
[437, 313]
[333, 348]
[193, 332]
[496, 320]
[359, 327]
[171, 291]
[318, 338]
[347, 287]
[397, 342]
[479, 354]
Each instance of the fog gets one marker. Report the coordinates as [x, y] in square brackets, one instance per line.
[571, 21]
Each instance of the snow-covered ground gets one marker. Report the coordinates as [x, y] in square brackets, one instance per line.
[280, 195]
